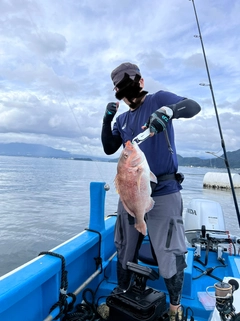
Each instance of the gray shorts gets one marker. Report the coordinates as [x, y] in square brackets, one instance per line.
[166, 232]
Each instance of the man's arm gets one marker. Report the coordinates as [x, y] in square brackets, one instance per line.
[186, 108]
[110, 142]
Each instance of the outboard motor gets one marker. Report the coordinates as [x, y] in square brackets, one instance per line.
[203, 217]
[205, 230]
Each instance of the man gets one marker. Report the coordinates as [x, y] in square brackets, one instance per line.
[164, 222]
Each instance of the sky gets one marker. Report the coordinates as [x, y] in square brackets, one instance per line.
[56, 58]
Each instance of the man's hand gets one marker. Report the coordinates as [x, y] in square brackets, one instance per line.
[110, 112]
[157, 122]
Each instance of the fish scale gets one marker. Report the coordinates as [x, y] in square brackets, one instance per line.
[133, 184]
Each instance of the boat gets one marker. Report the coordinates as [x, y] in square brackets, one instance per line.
[78, 278]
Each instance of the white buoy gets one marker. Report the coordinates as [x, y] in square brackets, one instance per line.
[220, 180]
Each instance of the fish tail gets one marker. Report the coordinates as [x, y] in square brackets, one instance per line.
[141, 227]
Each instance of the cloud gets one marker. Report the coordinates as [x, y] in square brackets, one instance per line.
[56, 59]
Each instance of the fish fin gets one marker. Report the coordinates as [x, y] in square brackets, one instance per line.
[141, 227]
[139, 170]
[150, 205]
[153, 178]
[127, 209]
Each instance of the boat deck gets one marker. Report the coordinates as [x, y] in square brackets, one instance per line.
[31, 291]
[195, 282]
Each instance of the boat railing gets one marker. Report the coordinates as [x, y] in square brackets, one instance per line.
[35, 287]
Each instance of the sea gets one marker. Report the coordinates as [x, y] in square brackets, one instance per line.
[44, 202]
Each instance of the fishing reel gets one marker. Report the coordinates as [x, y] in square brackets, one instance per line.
[224, 300]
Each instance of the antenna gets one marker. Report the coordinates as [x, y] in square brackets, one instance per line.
[216, 112]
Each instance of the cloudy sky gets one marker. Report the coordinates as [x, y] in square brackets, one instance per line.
[56, 57]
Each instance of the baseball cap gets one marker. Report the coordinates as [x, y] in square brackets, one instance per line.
[126, 67]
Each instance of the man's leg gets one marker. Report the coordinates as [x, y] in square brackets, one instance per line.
[174, 286]
[128, 241]
[166, 231]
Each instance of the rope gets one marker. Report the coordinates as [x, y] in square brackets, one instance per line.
[82, 312]
[98, 260]
[85, 311]
[62, 303]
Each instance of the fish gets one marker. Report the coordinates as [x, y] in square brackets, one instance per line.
[133, 185]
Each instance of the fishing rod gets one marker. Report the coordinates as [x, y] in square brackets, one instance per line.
[218, 121]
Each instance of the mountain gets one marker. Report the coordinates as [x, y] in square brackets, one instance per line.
[34, 150]
[37, 150]
[218, 162]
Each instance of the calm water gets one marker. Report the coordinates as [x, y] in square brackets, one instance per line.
[44, 202]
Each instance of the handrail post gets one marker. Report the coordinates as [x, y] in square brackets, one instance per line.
[97, 206]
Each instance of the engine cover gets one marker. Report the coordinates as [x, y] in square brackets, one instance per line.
[203, 215]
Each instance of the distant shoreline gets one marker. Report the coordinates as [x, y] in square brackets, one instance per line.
[36, 150]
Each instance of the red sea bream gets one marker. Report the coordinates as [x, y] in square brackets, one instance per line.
[133, 184]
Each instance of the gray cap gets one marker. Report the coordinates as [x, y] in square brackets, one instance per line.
[128, 68]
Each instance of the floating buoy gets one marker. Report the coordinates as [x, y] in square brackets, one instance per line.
[220, 180]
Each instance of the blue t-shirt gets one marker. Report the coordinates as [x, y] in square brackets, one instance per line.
[161, 161]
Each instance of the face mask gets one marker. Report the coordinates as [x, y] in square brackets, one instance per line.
[130, 89]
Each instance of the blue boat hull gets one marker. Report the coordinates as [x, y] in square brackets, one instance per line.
[30, 292]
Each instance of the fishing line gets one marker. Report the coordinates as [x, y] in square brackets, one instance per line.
[217, 117]
[107, 186]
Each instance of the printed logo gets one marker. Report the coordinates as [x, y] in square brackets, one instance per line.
[124, 126]
[191, 211]
[165, 118]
